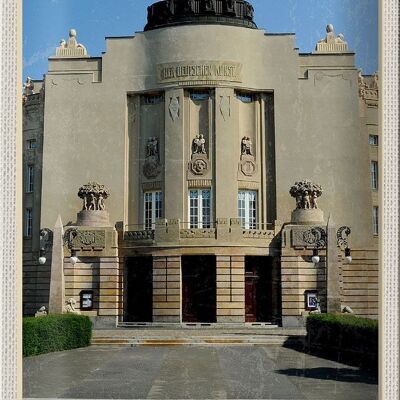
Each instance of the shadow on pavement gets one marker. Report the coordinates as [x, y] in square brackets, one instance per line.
[333, 374]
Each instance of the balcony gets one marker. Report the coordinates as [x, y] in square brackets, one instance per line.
[223, 231]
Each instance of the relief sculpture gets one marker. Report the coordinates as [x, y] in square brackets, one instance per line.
[247, 163]
[199, 159]
[152, 166]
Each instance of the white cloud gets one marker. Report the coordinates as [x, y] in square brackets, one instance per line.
[39, 56]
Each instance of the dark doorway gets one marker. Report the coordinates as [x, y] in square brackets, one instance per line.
[199, 289]
[139, 286]
[258, 284]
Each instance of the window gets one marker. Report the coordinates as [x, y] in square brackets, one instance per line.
[374, 175]
[153, 99]
[245, 97]
[247, 209]
[373, 140]
[153, 208]
[375, 220]
[200, 208]
[31, 144]
[28, 222]
[199, 95]
[29, 178]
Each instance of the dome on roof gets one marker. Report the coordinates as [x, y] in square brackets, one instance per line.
[181, 12]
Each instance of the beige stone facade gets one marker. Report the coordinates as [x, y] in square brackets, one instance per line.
[182, 124]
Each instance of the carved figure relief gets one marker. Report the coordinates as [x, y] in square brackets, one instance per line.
[199, 159]
[152, 167]
[93, 195]
[247, 163]
[198, 145]
[247, 146]
[306, 194]
[174, 108]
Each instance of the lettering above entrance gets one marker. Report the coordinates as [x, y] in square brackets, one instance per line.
[200, 71]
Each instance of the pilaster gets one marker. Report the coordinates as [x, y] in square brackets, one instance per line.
[167, 289]
[230, 289]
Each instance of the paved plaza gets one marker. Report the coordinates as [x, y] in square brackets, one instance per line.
[198, 372]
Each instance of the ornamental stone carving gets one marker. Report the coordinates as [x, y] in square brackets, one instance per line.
[70, 307]
[71, 48]
[197, 233]
[152, 166]
[343, 234]
[306, 193]
[332, 43]
[314, 237]
[174, 108]
[139, 235]
[247, 163]
[93, 195]
[85, 239]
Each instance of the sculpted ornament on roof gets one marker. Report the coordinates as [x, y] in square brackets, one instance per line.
[332, 43]
[71, 48]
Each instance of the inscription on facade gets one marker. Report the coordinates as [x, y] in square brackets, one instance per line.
[202, 71]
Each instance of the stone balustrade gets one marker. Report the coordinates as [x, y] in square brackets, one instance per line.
[223, 230]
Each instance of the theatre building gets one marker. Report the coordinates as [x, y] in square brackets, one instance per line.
[202, 171]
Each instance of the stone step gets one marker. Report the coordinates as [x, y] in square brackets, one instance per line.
[198, 340]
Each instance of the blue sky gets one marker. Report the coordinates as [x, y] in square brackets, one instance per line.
[47, 21]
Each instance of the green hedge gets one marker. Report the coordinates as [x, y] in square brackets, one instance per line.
[347, 338]
[55, 332]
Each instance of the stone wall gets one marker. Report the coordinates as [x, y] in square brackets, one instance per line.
[230, 289]
[166, 289]
[359, 283]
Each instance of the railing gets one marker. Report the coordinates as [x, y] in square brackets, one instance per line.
[173, 230]
[138, 232]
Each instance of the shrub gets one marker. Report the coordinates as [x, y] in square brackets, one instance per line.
[347, 338]
[55, 332]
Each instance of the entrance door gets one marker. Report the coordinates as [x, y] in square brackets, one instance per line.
[199, 289]
[258, 286]
[251, 296]
[139, 287]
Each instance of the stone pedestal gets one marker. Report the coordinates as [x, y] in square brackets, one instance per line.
[57, 280]
[93, 218]
[333, 289]
[307, 216]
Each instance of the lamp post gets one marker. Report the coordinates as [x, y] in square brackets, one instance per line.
[315, 258]
[347, 254]
[73, 258]
[42, 256]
